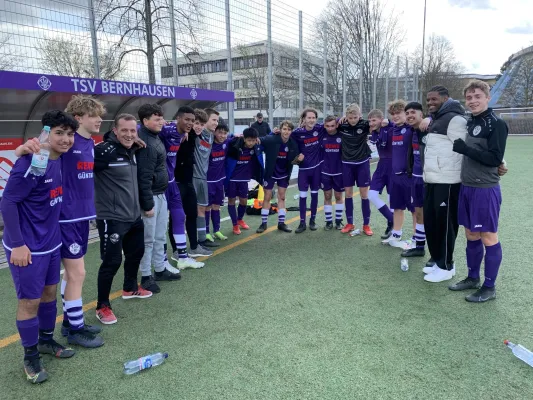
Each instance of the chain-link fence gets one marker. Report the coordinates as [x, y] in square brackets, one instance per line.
[276, 58]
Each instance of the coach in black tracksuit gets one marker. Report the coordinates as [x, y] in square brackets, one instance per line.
[442, 177]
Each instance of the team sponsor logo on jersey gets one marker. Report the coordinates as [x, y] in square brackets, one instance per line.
[76, 151]
[56, 196]
[74, 248]
[477, 130]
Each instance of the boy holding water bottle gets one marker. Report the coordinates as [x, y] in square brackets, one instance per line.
[32, 204]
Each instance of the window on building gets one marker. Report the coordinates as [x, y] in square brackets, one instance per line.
[167, 72]
[236, 84]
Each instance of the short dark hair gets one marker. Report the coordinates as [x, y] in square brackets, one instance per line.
[147, 110]
[200, 115]
[287, 123]
[184, 110]
[259, 115]
[414, 105]
[210, 111]
[125, 117]
[250, 133]
[55, 118]
[443, 91]
[222, 127]
[330, 118]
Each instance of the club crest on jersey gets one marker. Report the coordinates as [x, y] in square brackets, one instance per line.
[74, 248]
[251, 152]
[477, 130]
[114, 238]
[224, 146]
[359, 131]
[265, 183]
[339, 140]
[403, 130]
[424, 139]
[286, 148]
[315, 133]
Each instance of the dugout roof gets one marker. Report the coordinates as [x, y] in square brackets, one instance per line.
[24, 97]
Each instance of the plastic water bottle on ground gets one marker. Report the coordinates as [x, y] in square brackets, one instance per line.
[39, 161]
[134, 366]
[296, 197]
[520, 352]
[404, 264]
[355, 232]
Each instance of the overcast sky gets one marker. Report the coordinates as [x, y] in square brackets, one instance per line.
[484, 32]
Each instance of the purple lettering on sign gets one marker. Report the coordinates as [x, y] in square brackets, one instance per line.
[67, 84]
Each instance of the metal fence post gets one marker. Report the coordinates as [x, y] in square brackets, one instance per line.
[397, 92]
[375, 81]
[386, 82]
[270, 61]
[96, 60]
[406, 78]
[361, 74]
[325, 83]
[344, 61]
[301, 64]
[231, 118]
[173, 43]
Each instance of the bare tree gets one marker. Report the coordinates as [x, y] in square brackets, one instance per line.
[73, 57]
[144, 25]
[441, 66]
[8, 57]
[519, 90]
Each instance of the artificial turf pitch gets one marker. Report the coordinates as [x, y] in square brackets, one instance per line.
[313, 316]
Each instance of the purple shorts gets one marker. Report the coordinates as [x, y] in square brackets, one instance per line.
[75, 237]
[400, 195]
[282, 183]
[417, 191]
[356, 174]
[237, 189]
[309, 179]
[382, 176]
[479, 208]
[173, 196]
[216, 192]
[334, 182]
[31, 280]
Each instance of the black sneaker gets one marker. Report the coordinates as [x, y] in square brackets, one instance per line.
[207, 243]
[465, 284]
[34, 369]
[55, 349]
[329, 226]
[302, 227]
[166, 275]
[262, 228]
[416, 252]
[312, 224]
[84, 338]
[148, 283]
[89, 328]
[338, 224]
[482, 295]
[387, 233]
[284, 227]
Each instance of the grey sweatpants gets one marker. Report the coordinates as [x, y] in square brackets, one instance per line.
[155, 237]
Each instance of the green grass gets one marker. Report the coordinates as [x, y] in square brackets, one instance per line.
[311, 316]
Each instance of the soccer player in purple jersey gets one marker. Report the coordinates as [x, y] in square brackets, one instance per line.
[308, 137]
[31, 208]
[382, 139]
[331, 174]
[414, 114]
[401, 183]
[77, 210]
[356, 166]
[480, 196]
[244, 161]
[172, 135]
[281, 153]
[216, 174]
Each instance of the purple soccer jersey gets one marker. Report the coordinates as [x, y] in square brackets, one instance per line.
[78, 182]
[401, 137]
[417, 163]
[217, 168]
[32, 204]
[331, 154]
[280, 169]
[244, 169]
[309, 145]
[172, 139]
[382, 139]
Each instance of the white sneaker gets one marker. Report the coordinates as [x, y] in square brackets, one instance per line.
[440, 275]
[189, 263]
[170, 268]
[429, 270]
[393, 239]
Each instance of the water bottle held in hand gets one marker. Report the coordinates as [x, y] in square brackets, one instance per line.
[39, 161]
[134, 366]
[520, 352]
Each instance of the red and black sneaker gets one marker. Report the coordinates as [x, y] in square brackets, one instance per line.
[140, 293]
[106, 316]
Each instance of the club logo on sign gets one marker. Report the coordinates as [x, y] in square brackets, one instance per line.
[194, 93]
[44, 83]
